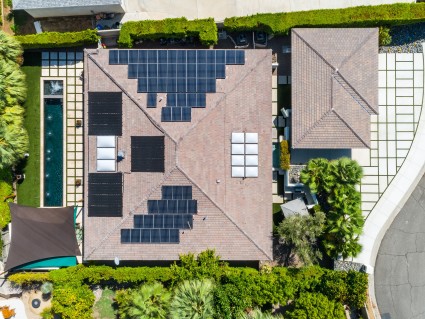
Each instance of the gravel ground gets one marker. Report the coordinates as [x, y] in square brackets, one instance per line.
[407, 38]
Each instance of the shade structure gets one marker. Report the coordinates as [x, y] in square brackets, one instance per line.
[40, 233]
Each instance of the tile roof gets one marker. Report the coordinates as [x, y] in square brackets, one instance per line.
[233, 214]
[40, 4]
[334, 87]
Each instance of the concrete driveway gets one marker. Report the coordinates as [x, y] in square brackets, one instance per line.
[400, 266]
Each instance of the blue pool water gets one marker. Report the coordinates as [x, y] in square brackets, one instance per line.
[53, 152]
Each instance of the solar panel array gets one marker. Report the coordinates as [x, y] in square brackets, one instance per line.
[189, 73]
[105, 113]
[163, 223]
[147, 154]
[105, 195]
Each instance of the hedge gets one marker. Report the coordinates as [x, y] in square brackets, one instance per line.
[204, 29]
[363, 16]
[6, 190]
[58, 39]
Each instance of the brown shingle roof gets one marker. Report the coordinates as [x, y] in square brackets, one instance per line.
[233, 214]
[334, 87]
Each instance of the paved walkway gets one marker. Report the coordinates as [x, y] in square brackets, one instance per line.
[399, 271]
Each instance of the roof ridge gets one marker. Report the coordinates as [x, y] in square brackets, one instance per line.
[159, 127]
[130, 214]
[313, 126]
[222, 211]
[313, 49]
[349, 127]
[210, 109]
[359, 46]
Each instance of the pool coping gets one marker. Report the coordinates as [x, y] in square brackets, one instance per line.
[64, 127]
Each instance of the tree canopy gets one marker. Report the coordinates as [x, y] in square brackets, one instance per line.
[13, 136]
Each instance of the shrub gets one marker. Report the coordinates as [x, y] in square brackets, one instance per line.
[363, 16]
[29, 278]
[193, 299]
[384, 36]
[58, 39]
[6, 190]
[73, 301]
[204, 29]
[315, 306]
[357, 283]
[285, 157]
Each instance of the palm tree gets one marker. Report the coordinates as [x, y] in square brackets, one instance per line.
[301, 233]
[12, 84]
[13, 144]
[193, 300]
[317, 175]
[346, 171]
[10, 48]
[148, 302]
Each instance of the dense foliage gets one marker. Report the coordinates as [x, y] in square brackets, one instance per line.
[285, 157]
[235, 289]
[315, 306]
[58, 39]
[300, 233]
[363, 16]
[335, 182]
[6, 196]
[179, 28]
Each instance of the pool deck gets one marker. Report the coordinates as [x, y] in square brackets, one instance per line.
[68, 66]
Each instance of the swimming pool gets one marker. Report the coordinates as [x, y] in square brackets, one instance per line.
[53, 143]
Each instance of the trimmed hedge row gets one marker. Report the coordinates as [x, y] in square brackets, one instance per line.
[363, 16]
[204, 29]
[58, 39]
[285, 156]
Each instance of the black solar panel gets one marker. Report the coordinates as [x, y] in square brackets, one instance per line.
[142, 70]
[211, 56]
[153, 206]
[122, 56]
[125, 236]
[143, 56]
[152, 84]
[152, 56]
[142, 85]
[155, 237]
[176, 114]
[165, 235]
[174, 236]
[145, 236]
[162, 70]
[220, 71]
[133, 56]
[186, 114]
[240, 57]
[230, 57]
[151, 100]
[172, 70]
[171, 207]
[132, 71]
[147, 153]
[167, 192]
[192, 207]
[138, 221]
[105, 113]
[166, 114]
[171, 99]
[113, 57]
[186, 192]
[181, 56]
[168, 221]
[220, 56]
[105, 195]
[135, 236]
[152, 70]
[162, 56]
[182, 206]
[178, 221]
[162, 206]
[172, 56]
[148, 221]
[158, 221]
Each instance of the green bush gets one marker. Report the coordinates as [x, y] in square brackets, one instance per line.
[384, 36]
[204, 29]
[236, 289]
[363, 16]
[58, 39]
[6, 190]
[315, 306]
[285, 157]
[73, 301]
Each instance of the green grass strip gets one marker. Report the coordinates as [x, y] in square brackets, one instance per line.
[29, 190]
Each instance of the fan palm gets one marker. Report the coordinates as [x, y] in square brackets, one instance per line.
[149, 301]
[317, 175]
[13, 144]
[10, 49]
[12, 84]
[194, 300]
[346, 171]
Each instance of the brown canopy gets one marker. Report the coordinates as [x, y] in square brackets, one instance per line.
[39, 233]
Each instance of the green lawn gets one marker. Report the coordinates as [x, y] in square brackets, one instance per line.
[103, 309]
[29, 190]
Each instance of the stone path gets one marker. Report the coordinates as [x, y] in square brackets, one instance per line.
[399, 276]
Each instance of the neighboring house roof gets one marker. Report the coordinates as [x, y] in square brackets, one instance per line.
[294, 207]
[40, 4]
[40, 233]
[233, 213]
[334, 87]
